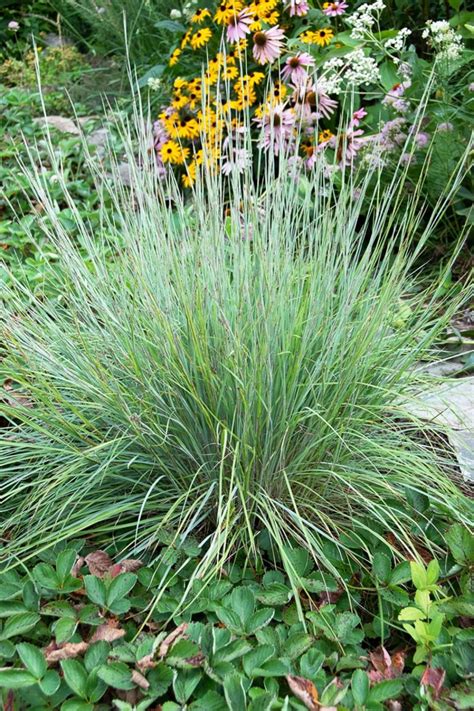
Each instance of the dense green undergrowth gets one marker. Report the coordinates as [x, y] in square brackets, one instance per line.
[82, 633]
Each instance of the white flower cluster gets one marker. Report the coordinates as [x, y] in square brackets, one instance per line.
[443, 39]
[397, 43]
[364, 18]
[330, 82]
[154, 83]
[361, 70]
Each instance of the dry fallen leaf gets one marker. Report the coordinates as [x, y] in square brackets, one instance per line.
[109, 632]
[304, 690]
[140, 680]
[76, 568]
[178, 633]
[99, 563]
[385, 666]
[146, 662]
[435, 679]
[69, 650]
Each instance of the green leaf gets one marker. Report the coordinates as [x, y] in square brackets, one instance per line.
[360, 687]
[274, 667]
[257, 657]
[432, 572]
[76, 705]
[411, 613]
[259, 619]
[64, 628]
[46, 576]
[16, 678]
[50, 683]
[96, 655]
[401, 573]
[160, 679]
[117, 675]
[64, 563]
[264, 702]
[242, 602]
[297, 644]
[235, 692]
[95, 590]
[381, 566]
[75, 676]
[184, 683]
[19, 624]
[11, 607]
[299, 562]
[386, 690]
[275, 594]
[232, 651]
[461, 544]
[33, 659]
[170, 25]
[311, 663]
[182, 650]
[120, 587]
[418, 575]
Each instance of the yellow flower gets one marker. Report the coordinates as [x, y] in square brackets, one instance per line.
[320, 37]
[185, 40]
[256, 26]
[260, 8]
[226, 10]
[257, 77]
[170, 152]
[200, 15]
[189, 178]
[229, 72]
[179, 100]
[179, 84]
[200, 38]
[325, 135]
[279, 92]
[174, 59]
[271, 17]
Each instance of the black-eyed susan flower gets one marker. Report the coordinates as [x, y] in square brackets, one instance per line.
[320, 37]
[200, 15]
[170, 152]
[200, 38]
[174, 59]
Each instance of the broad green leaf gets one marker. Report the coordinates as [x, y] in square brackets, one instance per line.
[360, 687]
[50, 683]
[160, 679]
[95, 590]
[232, 651]
[46, 576]
[33, 659]
[117, 675]
[275, 594]
[16, 678]
[64, 628]
[418, 575]
[411, 613]
[264, 702]
[259, 619]
[11, 607]
[386, 690]
[19, 624]
[311, 663]
[274, 667]
[184, 683]
[75, 676]
[432, 572]
[381, 566]
[235, 692]
[120, 587]
[96, 655]
[297, 644]
[461, 544]
[64, 564]
[257, 657]
[242, 602]
[76, 705]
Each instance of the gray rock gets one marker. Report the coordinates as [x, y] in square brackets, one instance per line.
[61, 123]
[451, 404]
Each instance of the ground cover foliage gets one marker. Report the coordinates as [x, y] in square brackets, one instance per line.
[81, 632]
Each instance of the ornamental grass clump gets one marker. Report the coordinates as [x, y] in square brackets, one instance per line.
[243, 364]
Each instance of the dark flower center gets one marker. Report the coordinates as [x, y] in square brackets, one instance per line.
[294, 62]
[260, 39]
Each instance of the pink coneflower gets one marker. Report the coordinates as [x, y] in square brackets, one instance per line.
[268, 44]
[298, 8]
[277, 124]
[313, 102]
[295, 68]
[347, 146]
[333, 9]
[357, 116]
[239, 26]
